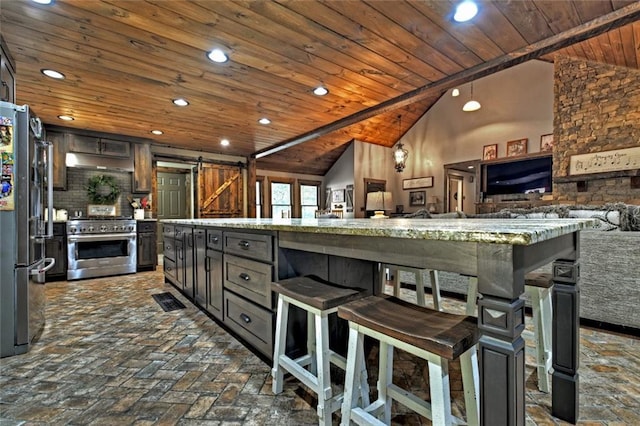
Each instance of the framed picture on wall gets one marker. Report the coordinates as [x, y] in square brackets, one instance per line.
[421, 182]
[517, 148]
[546, 143]
[337, 196]
[490, 152]
[417, 198]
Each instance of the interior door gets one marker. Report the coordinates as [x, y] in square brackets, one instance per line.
[172, 196]
[219, 191]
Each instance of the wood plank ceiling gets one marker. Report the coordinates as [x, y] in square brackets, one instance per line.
[124, 62]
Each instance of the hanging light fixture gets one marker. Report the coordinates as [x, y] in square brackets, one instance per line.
[471, 105]
[400, 154]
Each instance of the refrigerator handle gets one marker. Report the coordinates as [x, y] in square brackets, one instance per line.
[39, 271]
[49, 166]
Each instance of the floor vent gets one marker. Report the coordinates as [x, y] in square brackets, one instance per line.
[168, 301]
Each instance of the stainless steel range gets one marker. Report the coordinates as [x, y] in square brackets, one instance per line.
[101, 247]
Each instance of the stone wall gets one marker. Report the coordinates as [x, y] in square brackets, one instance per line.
[596, 109]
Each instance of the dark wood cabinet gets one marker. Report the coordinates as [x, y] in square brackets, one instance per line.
[200, 279]
[59, 141]
[99, 146]
[7, 74]
[213, 265]
[56, 248]
[142, 173]
[146, 245]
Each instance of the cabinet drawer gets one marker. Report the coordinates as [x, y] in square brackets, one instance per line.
[146, 226]
[169, 249]
[168, 231]
[255, 246]
[214, 239]
[251, 322]
[170, 269]
[248, 278]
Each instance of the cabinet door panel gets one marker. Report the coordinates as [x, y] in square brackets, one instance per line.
[115, 148]
[214, 283]
[85, 144]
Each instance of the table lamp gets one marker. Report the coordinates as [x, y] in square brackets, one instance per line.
[379, 202]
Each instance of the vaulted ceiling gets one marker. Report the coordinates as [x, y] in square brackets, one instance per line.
[124, 62]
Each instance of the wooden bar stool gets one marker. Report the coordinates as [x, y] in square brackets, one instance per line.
[435, 336]
[420, 294]
[538, 287]
[319, 299]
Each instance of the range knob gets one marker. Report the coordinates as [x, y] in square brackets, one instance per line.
[73, 229]
[83, 229]
[91, 228]
[103, 228]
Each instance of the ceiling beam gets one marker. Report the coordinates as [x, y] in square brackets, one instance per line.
[602, 24]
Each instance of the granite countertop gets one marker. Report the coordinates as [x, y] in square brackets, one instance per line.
[510, 231]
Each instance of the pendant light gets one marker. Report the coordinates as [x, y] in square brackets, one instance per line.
[471, 105]
[400, 154]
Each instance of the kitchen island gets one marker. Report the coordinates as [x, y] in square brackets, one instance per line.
[499, 253]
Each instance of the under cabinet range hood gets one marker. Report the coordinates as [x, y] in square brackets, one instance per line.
[99, 162]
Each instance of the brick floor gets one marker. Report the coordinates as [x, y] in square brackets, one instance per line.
[109, 355]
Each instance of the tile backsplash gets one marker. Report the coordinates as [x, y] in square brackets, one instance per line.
[75, 197]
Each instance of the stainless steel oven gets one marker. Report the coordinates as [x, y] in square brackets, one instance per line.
[98, 248]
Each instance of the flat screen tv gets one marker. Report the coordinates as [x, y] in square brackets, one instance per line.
[519, 177]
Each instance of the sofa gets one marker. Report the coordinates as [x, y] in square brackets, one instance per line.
[609, 259]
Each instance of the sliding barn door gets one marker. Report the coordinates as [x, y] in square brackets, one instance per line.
[219, 191]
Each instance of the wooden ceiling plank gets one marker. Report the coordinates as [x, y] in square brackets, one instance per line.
[314, 37]
[245, 50]
[616, 47]
[323, 70]
[561, 15]
[423, 28]
[380, 26]
[628, 47]
[588, 10]
[346, 36]
[525, 16]
[499, 29]
[440, 13]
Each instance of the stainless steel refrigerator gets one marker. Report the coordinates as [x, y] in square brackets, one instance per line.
[25, 191]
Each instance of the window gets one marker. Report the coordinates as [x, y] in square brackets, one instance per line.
[280, 199]
[309, 199]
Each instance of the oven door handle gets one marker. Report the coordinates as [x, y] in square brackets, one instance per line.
[100, 237]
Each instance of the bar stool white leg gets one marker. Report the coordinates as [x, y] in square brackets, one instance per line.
[322, 356]
[312, 345]
[355, 363]
[439, 389]
[471, 385]
[542, 311]
[280, 345]
[420, 297]
[385, 378]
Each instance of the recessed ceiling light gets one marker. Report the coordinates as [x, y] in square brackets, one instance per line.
[470, 167]
[218, 56]
[43, 1]
[455, 93]
[465, 11]
[181, 102]
[66, 117]
[157, 132]
[264, 120]
[224, 142]
[320, 91]
[53, 74]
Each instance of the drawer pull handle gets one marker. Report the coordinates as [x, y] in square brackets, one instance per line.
[244, 245]
[167, 247]
[169, 268]
[246, 318]
[245, 277]
[215, 240]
